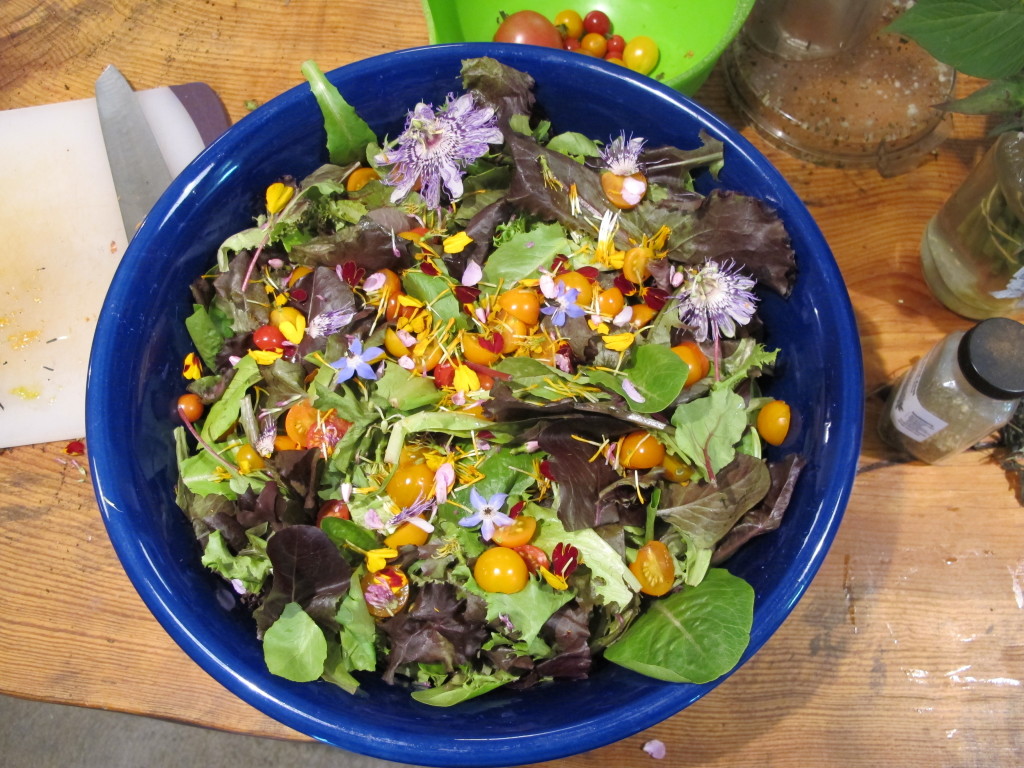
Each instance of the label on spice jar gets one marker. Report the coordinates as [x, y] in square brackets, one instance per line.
[909, 416]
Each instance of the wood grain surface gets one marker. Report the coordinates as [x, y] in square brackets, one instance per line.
[906, 649]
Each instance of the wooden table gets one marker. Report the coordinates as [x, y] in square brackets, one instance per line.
[906, 649]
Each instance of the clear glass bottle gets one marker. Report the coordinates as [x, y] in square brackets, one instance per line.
[964, 389]
[975, 243]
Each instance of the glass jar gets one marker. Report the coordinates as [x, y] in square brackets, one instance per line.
[974, 245]
[965, 388]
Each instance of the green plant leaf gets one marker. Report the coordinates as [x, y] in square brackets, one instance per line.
[224, 412]
[695, 635]
[347, 133]
[707, 430]
[294, 647]
[205, 335]
[525, 252]
[461, 688]
[658, 374]
[981, 38]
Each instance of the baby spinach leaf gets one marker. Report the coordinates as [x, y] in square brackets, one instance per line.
[294, 647]
[347, 133]
[574, 145]
[404, 390]
[695, 635]
[658, 374]
[524, 253]
[434, 291]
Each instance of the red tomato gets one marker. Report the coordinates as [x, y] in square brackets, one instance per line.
[333, 508]
[535, 557]
[598, 22]
[528, 27]
[268, 337]
[616, 45]
[571, 43]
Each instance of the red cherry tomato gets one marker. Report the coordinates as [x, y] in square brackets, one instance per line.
[571, 43]
[535, 557]
[528, 27]
[598, 22]
[333, 508]
[268, 337]
[616, 45]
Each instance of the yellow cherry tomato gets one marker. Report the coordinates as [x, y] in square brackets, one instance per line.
[676, 471]
[640, 450]
[654, 568]
[634, 264]
[359, 178]
[248, 460]
[575, 280]
[501, 569]
[571, 22]
[406, 533]
[522, 304]
[411, 483]
[517, 534]
[641, 54]
[691, 354]
[773, 422]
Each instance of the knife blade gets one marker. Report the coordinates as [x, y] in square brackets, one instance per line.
[136, 163]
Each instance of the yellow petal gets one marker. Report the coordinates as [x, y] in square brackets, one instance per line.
[556, 582]
[293, 331]
[264, 356]
[406, 300]
[378, 558]
[457, 242]
[192, 369]
[619, 342]
[465, 379]
[278, 195]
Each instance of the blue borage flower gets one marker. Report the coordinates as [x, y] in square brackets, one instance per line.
[561, 301]
[435, 147]
[487, 513]
[356, 362]
[715, 298]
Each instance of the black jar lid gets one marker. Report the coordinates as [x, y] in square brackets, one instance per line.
[991, 356]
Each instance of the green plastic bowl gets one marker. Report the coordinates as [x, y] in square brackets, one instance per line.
[691, 34]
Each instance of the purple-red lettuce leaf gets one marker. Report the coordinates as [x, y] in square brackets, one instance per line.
[733, 226]
[766, 516]
[370, 244]
[567, 632]
[705, 512]
[299, 471]
[439, 627]
[506, 90]
[246, 310]
[581, 481]
[309, 570]
[672, 168]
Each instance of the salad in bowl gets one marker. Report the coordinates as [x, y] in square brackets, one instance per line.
[479, 405]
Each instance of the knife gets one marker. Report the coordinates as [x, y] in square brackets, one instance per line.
[136, 163]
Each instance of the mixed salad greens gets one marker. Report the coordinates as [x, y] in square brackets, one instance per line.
[476, 406]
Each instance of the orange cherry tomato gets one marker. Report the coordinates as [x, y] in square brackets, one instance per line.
[642, 315]
[610, 302]
[773, 422]
[654, 568]
[522, 304]
[613, 185]
[676, 471]
[513, 331]
[481, 350]
[571, 22]
[297, 422]
[411, 483]
[359, 178]
[594, 44]
[580, 282]
[640, 450]
[190, 407]
[406, 533]
[517, 534]
[691, 354]
[500, 569]
[386, 591]
[634, 264]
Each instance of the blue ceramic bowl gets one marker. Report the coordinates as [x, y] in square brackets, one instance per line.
[135, 379]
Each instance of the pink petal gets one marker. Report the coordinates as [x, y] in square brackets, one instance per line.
[655, 748]
[472, 274]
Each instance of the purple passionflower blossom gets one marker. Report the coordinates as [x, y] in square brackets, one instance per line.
[264, 444]
[486, 513]
[561, 301]
[621, 156]
[328, 323]
[715, 298]
[435, 147]
[356, 362]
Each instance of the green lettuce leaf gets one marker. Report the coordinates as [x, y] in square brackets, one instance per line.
[708, 428]
[224, 412]
[347, 133]
[294, 647]
[250, 567]
[524, 253]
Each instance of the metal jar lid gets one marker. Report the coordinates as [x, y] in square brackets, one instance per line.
[991, 356]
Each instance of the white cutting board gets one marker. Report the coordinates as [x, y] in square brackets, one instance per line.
[62, 240]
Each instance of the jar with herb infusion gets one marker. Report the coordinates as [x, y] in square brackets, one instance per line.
[964, 389]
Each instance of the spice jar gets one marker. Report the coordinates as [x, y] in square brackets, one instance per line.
[964, 389]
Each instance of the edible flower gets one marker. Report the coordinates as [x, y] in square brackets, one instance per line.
[622, 157]
[561, 301]
[619, 342]
[278, 196]
[715, 299]
[328, 323]
[487, 513]
[457, 243]
[192, 368]
[465, 379]
[378, 558]
[435, 147]
[356, 362]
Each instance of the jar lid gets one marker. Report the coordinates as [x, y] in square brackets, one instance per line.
[991, 356]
